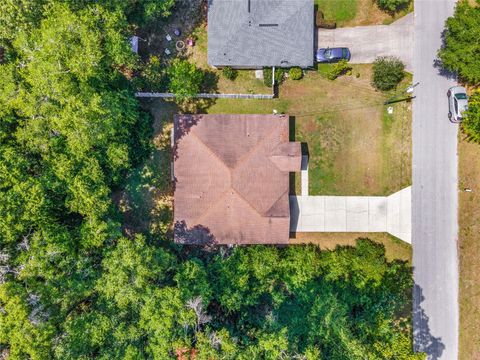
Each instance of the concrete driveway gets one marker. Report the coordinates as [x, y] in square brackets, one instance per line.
[390, 214]
[368, 42]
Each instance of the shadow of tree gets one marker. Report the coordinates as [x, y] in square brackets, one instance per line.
[437, 63]
[197, 235]
[423, 340]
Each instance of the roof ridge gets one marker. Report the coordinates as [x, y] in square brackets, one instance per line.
[214, 154]
[276, 201]
[249, 153]
[207, 211]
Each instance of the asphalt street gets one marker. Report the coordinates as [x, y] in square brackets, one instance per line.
[434, 191]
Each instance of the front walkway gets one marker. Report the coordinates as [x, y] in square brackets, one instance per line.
[390, 214]
[368, 42]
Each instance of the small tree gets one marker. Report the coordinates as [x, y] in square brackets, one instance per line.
[229, 73]
[393, 5]
[295, 73]
[388, 71]
[185, 79]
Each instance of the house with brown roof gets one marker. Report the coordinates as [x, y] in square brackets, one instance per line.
[231, 175]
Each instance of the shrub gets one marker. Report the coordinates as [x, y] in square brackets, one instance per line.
[388, 71]
[295, 73]
[267, 76]
[471, 122]
[392, 6]
[338, 69]
[229, 73]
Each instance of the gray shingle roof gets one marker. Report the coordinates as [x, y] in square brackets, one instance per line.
[256, 33]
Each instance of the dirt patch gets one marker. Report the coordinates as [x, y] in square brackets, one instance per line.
[186, 16]
[469, 248]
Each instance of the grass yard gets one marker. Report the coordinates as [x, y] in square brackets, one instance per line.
[338, 10]
[349, 13]
[469, 249]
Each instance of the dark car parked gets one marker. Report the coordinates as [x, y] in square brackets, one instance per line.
[330, 55]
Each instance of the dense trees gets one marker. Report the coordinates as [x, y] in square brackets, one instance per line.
[462, 43]
[460, 54]
[73, 286]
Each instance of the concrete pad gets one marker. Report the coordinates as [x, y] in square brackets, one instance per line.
[357, 214]
[335, 213]
[307, 213]
[368, 42]
[304, 175]
[377, 213]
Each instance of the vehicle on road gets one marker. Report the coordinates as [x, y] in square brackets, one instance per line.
[331, 55]
[457, 103]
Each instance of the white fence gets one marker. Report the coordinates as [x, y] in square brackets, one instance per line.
[205, 96]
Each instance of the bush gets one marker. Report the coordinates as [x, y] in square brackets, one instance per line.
[471, 122]
[229, 73]
[295, 73]
[392, 6]
[388, 71]
[267, 76]
[338, 69]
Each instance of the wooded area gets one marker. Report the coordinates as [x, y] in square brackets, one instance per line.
[74, 286]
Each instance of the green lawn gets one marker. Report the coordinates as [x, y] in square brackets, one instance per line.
[338, 10]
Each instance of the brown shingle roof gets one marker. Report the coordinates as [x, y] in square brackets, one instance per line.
[232, 178]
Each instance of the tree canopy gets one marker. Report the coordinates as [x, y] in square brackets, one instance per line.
[462, 42]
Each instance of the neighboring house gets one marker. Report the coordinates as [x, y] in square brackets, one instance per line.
[258, 33]
[231, 178]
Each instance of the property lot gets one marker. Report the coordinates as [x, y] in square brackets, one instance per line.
[355, 146]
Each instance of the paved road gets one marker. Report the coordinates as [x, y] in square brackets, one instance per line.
[434, 192]
[368, 42]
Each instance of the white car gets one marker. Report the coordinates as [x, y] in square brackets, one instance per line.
[457, 103]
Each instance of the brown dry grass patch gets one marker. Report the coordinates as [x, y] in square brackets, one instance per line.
[469, 249]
